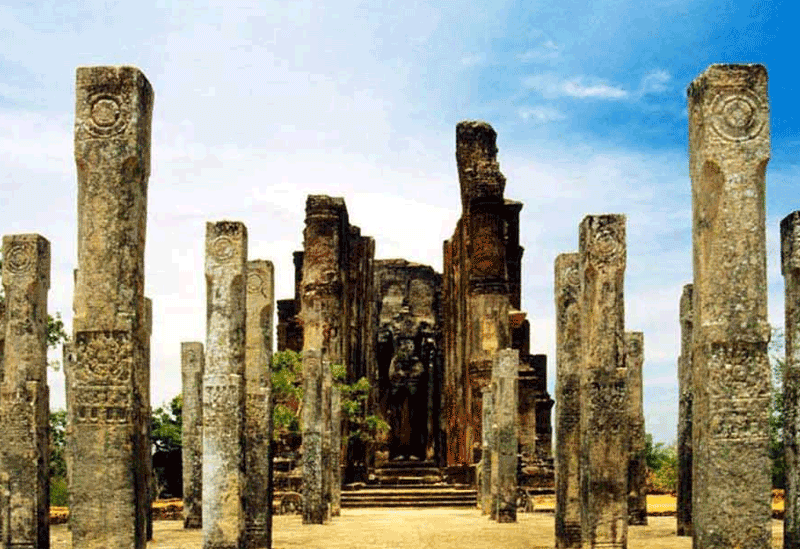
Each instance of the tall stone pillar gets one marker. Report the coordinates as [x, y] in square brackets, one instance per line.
[637, 467]
[24, 397]
[314, 508]
[504, 462]
[192, 362]
[145, 428]
[327, 447]
[258, 410]
[107, 398]
[685, 391]
[729, 147]
[223, 386]
[568, 402]
[790, 266]
[604, 394]
[336, 453]
[487, 447]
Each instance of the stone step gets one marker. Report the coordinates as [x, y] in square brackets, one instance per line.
[410, 491]
[408, 464]
[346, 504]
[408, 471]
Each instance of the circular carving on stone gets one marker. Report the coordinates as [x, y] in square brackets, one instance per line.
[19, 258]
[737, 115]
[107, 115]
[571, 277]
[254, 283]
[222, 248]
[191, 356]
[606, 244]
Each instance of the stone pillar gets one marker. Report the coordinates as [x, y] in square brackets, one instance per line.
[487, 447]
[327, 447]
[107, 400]
[145, 427]
[637, 467]
[504, 462]
[568, 403]
[314, 508]
[729, 147]
[336, 453]
[685, 390]
[258, 410]
[223, 386]
[604, 395]
[24, 398]
[790, 267]
[192, 362]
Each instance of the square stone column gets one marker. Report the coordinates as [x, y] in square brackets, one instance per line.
[24, 398]
[258, 411]
[790, 266]
[568, 403]
[108, 402]
[605, 419]
[685, 390]
[487, 444]
[192, 369]
[637, 467]
[314, 507]
[223, 386]
[336, 452]
[504, 460]
[729, 147]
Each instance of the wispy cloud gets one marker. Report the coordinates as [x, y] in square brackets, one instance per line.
[546, 51]
[654, 82]
[540, 114]
[580, 87]
[473, 59]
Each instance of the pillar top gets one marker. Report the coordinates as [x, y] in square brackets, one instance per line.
[478, 171]
[26, 256]
[790, 243]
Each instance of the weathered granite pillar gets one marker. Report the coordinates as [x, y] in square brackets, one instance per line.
[685, 391]
[729, 147]
[258, 410]
[568, 403]
[192, 361]
[604, 395]
[314, 507]
[504, 462]
[637, 467]
[487, 447]
[223, 386]
[327, 448]
[146, 428]
[107, 400]
[790, 267]
[24, 398]
[336, 453]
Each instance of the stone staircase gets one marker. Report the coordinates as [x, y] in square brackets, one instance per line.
[408, 484]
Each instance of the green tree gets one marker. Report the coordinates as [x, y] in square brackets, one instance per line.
[58, 463]
[166, 423]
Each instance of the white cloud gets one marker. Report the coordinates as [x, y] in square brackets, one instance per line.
[473, 60]
[655, 82]
[540, 114]
[546, 51]
[552, 86]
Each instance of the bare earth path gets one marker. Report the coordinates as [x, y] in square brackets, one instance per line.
[415, 529]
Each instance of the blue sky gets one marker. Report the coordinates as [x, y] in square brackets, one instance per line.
[259, 104]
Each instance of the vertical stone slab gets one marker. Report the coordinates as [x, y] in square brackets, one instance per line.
[504, 462]
[106, 404]
[223, 386]
[336, 453]
[637, 468]
[258, 411]
[314, 508]
[729, 147]
[790, 267]
[604, 395]
[487, 447]
[24, 398]
[327, 448]
[685, 390]
[145, 427]
[568, 403]
[192, 369]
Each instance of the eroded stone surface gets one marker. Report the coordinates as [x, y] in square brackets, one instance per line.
[686, 392]
[487, 447]
[315, 509]
[729, 147]
[504, 459]
[637, 469]
[192, 370]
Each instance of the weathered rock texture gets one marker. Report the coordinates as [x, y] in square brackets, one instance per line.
[336, 452]
[604, 416]
[686, 391]
[568, 403]
[108, 402]
[192, 370]
[146, 413]
[790, 266]
[637, 468]
[24, 397]
[488, 448]
[258, 407]
[315, 509]
[504, 459]
[290, 330]
[409, 356]
[728, 153]
[223, 386]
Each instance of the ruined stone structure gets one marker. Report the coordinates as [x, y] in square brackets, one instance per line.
[790, 267]
[224, 386]
[637, 468]
[604, 413]
[568, 402]
[336, 453]
[290, 329]
[685, 391]
[729, 147]
[107, 398]
[24, 395]
[258, 403]
[192, 370]
[488, 448]
[315, 510]
[505, 440]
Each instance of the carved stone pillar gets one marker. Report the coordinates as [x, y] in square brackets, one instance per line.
[637, 468]
[504, 459]
[192, 371]
[686, 391]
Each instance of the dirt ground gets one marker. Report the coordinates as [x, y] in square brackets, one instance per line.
[416, 529]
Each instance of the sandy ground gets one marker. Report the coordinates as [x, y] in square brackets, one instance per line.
[415, 529]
